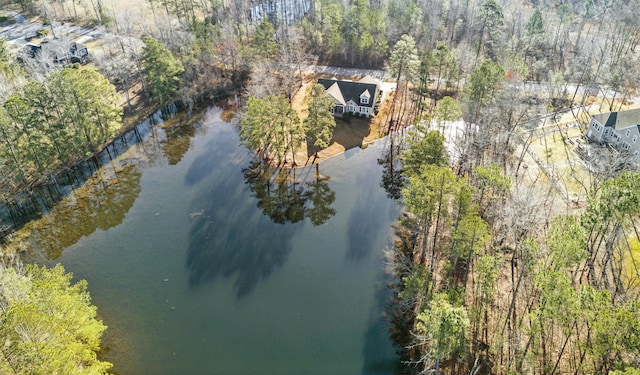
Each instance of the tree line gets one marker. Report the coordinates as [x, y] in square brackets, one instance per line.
[495, 273]
[493, 282]
[193, 50]
[589, 43]
[57, 123]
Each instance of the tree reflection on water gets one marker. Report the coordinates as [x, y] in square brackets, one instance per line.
[285, 199]
[101, 203]
[230, 239]
[179, 132]
[279, 194]
[392, 179]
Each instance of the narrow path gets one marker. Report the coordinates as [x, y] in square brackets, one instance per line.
[344, 72]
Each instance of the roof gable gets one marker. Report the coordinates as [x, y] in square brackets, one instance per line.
[369, 79]
[334, 91]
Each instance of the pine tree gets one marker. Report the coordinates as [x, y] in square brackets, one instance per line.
[163, 71]
[319, 123]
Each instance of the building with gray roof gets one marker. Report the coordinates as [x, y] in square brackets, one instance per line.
[620, 130]
[353, 97]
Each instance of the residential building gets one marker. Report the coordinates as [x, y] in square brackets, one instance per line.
[353, 97]
[58, 51]
[620, 130]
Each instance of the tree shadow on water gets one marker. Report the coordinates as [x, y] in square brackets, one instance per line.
[366, 221]
[236, 237]
[378, 351]
[240, 245]
[230, 239]
[210, 162]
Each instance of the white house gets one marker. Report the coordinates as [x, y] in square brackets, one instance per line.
[618, 129]
[353, 97]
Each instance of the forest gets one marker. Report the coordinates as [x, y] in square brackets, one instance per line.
[184, 52]
[495, 273]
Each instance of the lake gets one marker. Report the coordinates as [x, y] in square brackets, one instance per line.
[200, 264]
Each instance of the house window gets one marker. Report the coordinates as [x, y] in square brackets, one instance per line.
[626, 146]
[635, 138]
[628, 132]
[364, 100]
[607, 131]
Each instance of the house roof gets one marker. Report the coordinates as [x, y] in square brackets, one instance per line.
[59, 50]
[619, 120]
[334, 90]
[344, 91]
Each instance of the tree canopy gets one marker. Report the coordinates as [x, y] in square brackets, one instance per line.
[162, 70]
[58, 122]
[264, 43]
[272, 128]
[47, 324]
[319, 123]
[404, 61]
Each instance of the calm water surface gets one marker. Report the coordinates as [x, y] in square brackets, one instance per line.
[192, 277]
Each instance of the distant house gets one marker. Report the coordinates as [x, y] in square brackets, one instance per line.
[72, 53]
[620, 130]
[353, 97]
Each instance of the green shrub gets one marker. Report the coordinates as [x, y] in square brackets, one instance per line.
[42, 33]
[6, 19]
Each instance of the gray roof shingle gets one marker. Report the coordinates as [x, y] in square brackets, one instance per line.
[619, 120]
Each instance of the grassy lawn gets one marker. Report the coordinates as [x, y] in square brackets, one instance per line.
[351, 132]
[550, 148]
[556, 149]
[574, 179]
